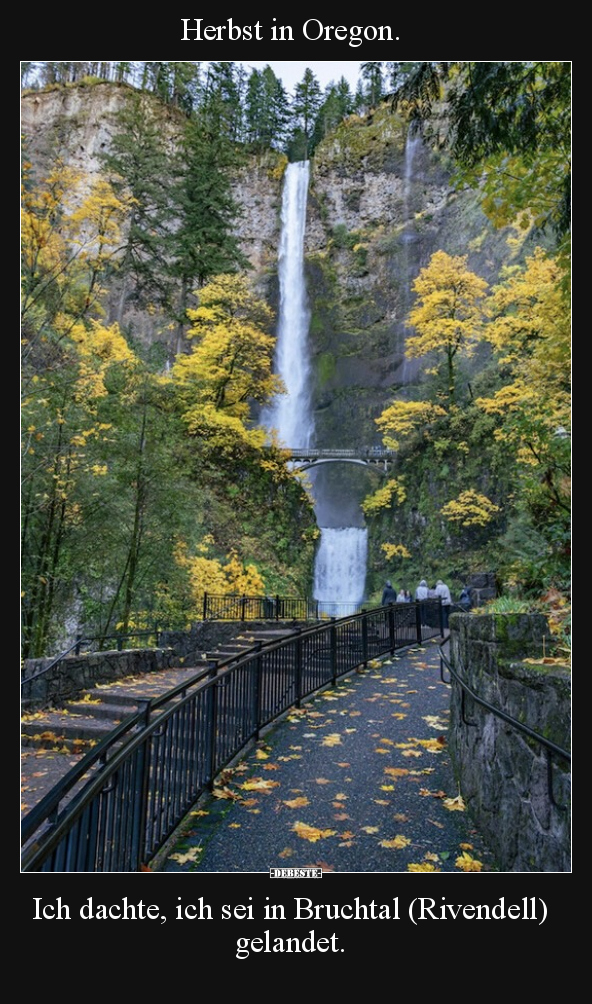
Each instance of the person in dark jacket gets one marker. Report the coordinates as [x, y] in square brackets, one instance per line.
[464, 599]
[389, 594]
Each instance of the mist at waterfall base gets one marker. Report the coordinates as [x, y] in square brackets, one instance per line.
[340, 563]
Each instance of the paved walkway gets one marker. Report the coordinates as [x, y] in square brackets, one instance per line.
[358, 780]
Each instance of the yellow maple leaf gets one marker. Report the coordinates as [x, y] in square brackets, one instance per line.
[396, 842]
[322, 780]
[297, 803]
[234, 826]
[261, 755]
[412, 753]
[191, 855]
[396, 771]
[332, 740]
[434, 745]
[379, 750]
[223, 793]
[454, 804]
[259, 784]
[466, 863]
[286, 853]
[466, 847]
[311, 833]
[370, 829]
[424, 866]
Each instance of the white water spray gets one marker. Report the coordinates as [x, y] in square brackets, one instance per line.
[340, 565]
[290, 413]
[340, 570]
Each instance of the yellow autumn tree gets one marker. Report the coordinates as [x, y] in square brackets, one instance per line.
[230, 365]
[206, 574]
[71, 234]
[448, 314]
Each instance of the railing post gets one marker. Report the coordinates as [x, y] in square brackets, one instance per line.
[365, 641]
[441, 616]
[243, 602]
[333, 636]
[277, 607]
[298, 669]
[391, 624]
[257, 690]
[205, 606]
[418, 620]
[78, 644]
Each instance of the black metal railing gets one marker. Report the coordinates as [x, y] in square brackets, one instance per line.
[144, 778]
[258, 608]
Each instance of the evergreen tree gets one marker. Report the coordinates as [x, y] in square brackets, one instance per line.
[138, 163]
[337, 105]
[305, 108]
[204, 242]
[372, 83]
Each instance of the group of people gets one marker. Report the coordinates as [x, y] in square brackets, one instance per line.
[424, 592]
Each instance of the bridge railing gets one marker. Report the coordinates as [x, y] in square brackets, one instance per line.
[145, 778]
[256, 608]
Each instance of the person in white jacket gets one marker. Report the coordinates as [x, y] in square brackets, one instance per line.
[421, 593]
[443, 592]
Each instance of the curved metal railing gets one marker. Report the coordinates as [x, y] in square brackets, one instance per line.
[145, 777]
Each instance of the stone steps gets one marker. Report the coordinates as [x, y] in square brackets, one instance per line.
[54, 739]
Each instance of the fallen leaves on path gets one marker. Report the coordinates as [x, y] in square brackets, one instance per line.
[454, 804]
[311, 833]
[466, 863]
[396, 843]
[259, 784]
[297, 803]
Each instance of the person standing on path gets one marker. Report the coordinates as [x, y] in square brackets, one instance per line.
[389, 594]
[443, 592]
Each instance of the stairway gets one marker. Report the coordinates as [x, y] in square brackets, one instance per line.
[54, 739]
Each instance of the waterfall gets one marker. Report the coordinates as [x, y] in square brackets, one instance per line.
[290, 414]
[340, 570]
[340, 564]
[410, 367]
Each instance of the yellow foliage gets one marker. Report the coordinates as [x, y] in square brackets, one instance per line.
[395, 551]
[383, 497]
[449, 312]
[402, 418]
[209, 575]
[470, 509]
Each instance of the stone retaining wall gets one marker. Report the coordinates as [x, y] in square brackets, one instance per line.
[76, 673]
[503, 773]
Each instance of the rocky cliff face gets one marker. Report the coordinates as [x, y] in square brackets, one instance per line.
[380, 204]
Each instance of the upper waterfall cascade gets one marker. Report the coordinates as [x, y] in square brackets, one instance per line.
[340, 566]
